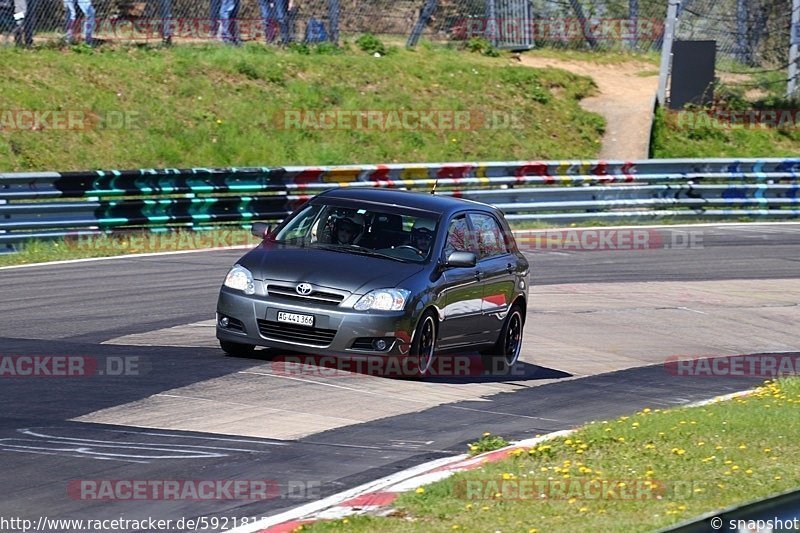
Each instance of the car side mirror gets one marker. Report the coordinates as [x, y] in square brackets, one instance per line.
[461, 260]
[260, 230]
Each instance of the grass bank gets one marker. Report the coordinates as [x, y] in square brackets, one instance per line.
[212, 105]
[739, 123]
[636, 473]
[699, 134]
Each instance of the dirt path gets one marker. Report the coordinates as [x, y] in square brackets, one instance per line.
[625, 100]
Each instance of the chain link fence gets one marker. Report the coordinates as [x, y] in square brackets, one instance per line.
[505, 23]
[752, 36]
[750, 33]
[754, 32]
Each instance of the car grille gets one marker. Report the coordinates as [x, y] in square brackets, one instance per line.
[296, 334]
[324, 297]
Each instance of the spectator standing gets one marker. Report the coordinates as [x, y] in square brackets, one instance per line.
[278, 11]
[333, 20]
[87, 9]
[8, 23]
[165, 9]
[214, 18]
[24, 16]
[228, 23]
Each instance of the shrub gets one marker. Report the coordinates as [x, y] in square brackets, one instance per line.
[371, 44]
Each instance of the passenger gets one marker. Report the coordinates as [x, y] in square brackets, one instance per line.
[347, 231]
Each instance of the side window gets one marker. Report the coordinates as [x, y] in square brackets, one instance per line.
[489, 234]
[458, 237]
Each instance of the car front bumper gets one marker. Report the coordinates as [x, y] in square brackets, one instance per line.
[253, 320]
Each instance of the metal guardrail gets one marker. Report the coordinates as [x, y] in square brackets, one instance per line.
[762, 515]
[58, 204]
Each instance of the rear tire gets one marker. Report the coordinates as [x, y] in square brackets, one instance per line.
[505, 353]
[423, 347]
[235, 349]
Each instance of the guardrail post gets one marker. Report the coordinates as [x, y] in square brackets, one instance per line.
[666, 50]
[794, 50]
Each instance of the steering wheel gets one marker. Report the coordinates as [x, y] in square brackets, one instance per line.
[409, 247]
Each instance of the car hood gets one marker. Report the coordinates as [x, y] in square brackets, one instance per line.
[326, 268]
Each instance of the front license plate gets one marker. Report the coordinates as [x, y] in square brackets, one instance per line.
[295, 318]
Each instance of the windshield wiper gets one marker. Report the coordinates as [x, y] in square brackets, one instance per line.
[374, 253]
[360, 250]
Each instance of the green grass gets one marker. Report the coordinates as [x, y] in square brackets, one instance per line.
[640, 221]
[696, 459]
[689, 135]
[212, 105]
[695, 133]
[134, 242]
[487, 443]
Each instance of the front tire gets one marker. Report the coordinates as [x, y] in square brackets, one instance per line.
[505, 353]
[235, 349]
[423, 348]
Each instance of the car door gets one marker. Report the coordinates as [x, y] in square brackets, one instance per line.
[460, 290]
[498, 267]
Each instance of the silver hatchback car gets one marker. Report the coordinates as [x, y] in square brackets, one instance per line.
[379, 273]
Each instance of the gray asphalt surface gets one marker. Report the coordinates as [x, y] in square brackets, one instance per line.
[71, 309]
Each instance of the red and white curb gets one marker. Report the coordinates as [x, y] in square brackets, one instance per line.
[378, 496]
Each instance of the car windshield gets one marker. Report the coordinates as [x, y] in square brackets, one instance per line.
[394, 235]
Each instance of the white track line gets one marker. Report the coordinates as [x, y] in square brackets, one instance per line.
[659, 226]
[128, 256]
[516, 232]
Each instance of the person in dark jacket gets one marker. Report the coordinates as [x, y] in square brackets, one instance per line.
[276, 11]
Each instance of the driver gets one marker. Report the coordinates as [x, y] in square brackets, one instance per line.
[347, 230]
[421, 236]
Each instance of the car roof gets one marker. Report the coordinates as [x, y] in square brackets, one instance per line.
[415, 200]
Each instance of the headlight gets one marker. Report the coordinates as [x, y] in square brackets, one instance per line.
[241, 279]
[383, 300]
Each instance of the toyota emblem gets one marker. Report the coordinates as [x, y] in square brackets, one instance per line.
[303, 289]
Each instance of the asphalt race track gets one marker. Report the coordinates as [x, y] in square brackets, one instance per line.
[599, 328]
